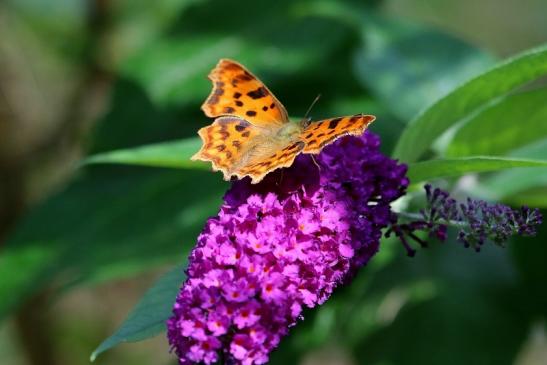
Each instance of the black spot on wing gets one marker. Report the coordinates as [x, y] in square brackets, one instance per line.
[223, 131]
[250, 113]
[244, 77]
[334, 122]
[218, 91]
[241, 127]
[258, 93]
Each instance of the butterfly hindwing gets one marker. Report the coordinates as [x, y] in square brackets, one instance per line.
[279, 157]
[238, 92]
[319, 134]
[225, 142]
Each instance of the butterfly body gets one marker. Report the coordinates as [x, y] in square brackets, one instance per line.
[252, 134]
[289, 131]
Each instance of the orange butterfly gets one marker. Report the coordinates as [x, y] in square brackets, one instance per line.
[253, 135]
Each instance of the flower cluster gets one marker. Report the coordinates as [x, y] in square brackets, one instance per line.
[280, 246]
[476, 220]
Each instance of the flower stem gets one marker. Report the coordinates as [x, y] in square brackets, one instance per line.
[418, 216]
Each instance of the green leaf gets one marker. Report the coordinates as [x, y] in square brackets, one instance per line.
[139, 23]
[135, 120]
[432, 169]
[115, 222]
[505, 184]
[173, 70]
[408, 66]
[451, 317]
[175, 154]
[465, 293]
[148, 317]
[23, 271]
[534, 197]
[468, 98]
[513, 122]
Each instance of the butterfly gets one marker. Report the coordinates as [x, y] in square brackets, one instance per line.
[252, 134]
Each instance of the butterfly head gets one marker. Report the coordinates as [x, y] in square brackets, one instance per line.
[305, 122]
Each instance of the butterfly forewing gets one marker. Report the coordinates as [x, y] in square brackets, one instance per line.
[319, 134]
[238, 92]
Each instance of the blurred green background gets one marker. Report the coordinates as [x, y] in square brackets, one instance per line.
[80, 246]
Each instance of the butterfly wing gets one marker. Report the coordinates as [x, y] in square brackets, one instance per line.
[237, 147]
[238, 92]
[319, 134]
[226, 142]
[246, 139]
[271, 158]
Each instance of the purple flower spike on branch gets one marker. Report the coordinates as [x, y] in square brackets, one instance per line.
[280, 246]
[477, 221]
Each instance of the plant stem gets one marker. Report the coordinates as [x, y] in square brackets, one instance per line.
[419, 217]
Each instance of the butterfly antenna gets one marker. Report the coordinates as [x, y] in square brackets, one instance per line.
[311, 106]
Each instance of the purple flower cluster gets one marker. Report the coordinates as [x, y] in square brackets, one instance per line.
[280, 246]
[476, 220]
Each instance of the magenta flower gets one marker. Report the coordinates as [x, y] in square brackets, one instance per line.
[280, 246]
